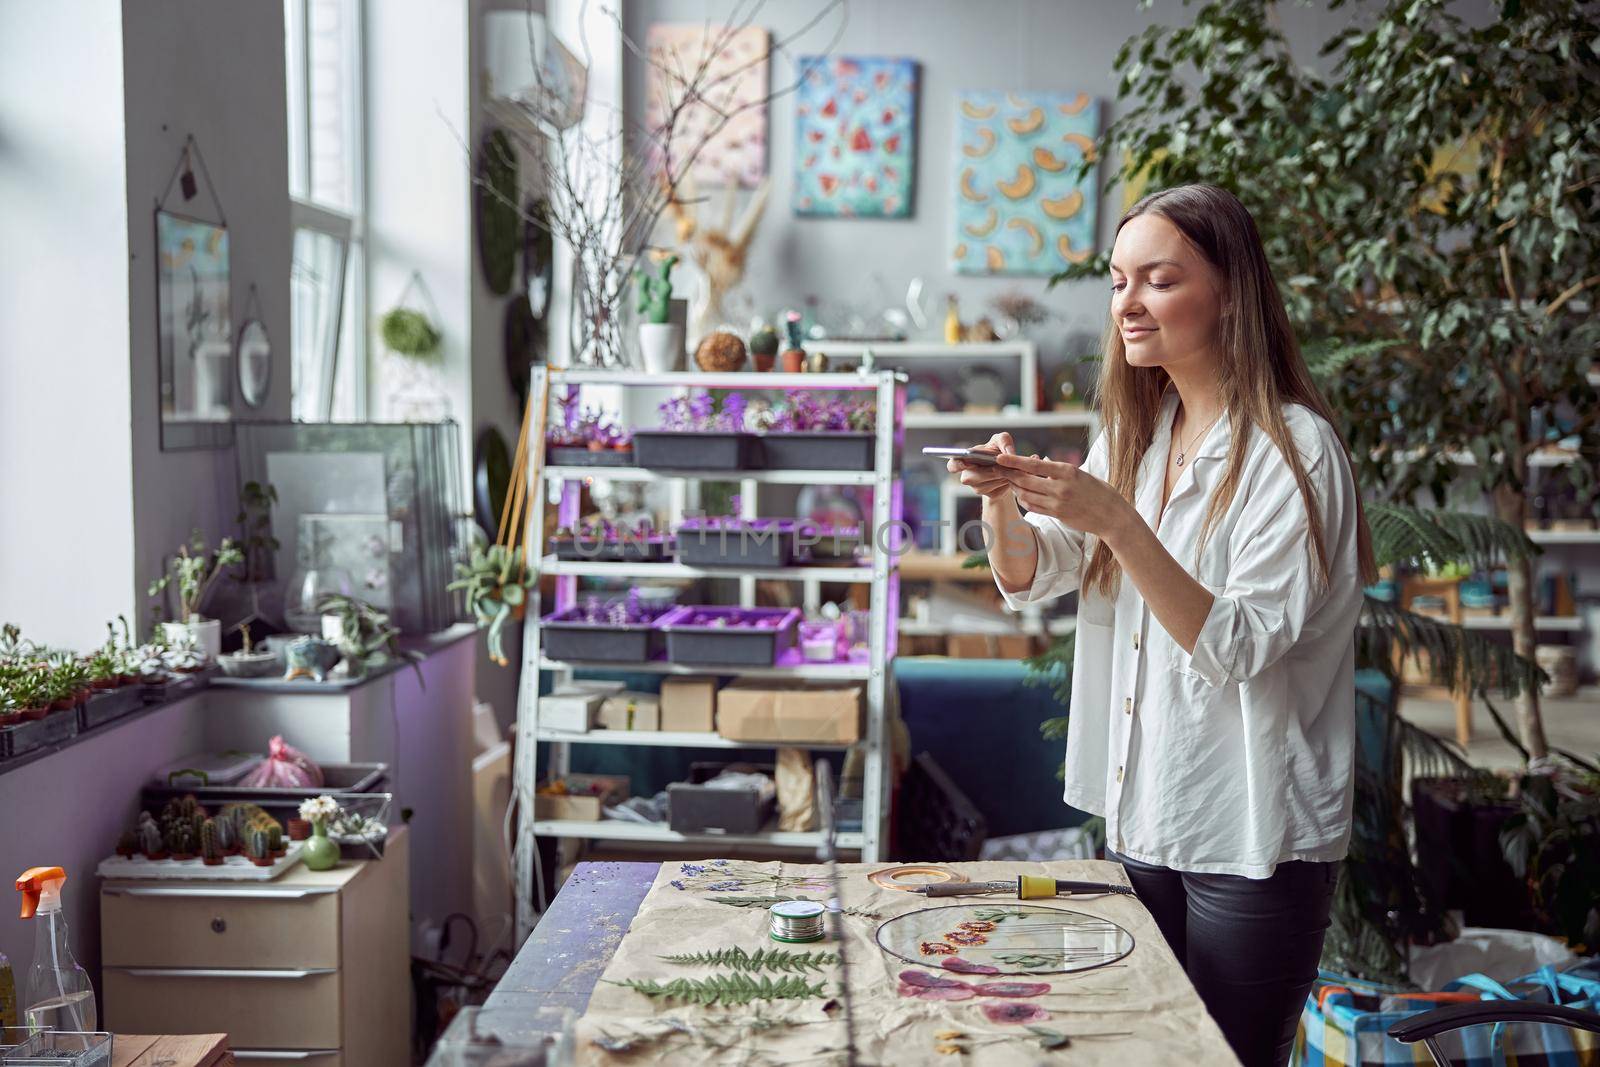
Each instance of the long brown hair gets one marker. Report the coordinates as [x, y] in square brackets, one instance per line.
[1260, 369]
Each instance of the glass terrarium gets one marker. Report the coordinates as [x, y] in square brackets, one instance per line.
[377, 501]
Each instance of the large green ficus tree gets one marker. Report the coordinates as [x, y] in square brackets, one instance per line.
[1429, 203]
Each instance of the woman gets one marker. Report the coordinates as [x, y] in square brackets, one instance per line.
[1218, 544]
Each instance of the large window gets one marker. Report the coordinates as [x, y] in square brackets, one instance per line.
[328, 347]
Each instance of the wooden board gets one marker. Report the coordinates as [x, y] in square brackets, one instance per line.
[173, 1050]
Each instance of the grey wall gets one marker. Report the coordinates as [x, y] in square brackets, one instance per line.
[1044, 45]
[214, 68]
[66, 467]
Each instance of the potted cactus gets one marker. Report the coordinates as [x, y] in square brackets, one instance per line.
[210, 844]
[764, 347]
[660, 339]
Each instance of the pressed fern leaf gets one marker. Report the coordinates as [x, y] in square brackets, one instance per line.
[762, 959]
[721, 989]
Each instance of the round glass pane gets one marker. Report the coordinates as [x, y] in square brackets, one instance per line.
[255, 363]
[1009, 938]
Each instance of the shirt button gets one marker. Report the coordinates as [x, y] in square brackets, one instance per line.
[1119, 775]
[1127, 706]
[1136, 642]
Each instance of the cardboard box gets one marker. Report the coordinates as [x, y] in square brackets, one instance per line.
[689, 705]
[586, 797]
[968, 646]
[629, 710]
[575, 707]
[752, 709]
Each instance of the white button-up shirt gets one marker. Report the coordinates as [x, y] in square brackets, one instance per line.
[1239, 756]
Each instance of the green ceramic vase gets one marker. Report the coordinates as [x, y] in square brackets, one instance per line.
[319, 853]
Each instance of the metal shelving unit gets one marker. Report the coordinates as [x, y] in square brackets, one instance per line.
[882, 576]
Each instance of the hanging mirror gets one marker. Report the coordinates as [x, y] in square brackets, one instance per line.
[254, 355]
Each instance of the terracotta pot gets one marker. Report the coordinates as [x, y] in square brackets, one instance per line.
[598, 446]
[299, 829]
[212, 861]
[10, 718]
[127, 853]
[794, 360]
[100, 684]
[262, 861]
[64, 704]
[764, 360]
[159, 854]
[182, 857]
[32, 714]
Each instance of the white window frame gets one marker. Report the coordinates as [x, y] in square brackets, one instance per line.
[347, 226]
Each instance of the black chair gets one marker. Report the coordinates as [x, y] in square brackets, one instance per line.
[1430, 1024]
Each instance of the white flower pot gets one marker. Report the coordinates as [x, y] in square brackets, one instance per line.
[661, 343]
[205, 634]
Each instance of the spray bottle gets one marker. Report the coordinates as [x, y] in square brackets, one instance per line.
[58, 995]
[8, 994]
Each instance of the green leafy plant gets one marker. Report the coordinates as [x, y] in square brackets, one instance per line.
[195, 568]
[763, 959]
[723, 989]
[366, 637]
[495, 583]
[256, 501]
[409, 332]
[1554, 843]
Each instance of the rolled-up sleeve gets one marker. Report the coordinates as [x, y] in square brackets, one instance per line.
[1270, 592]
[1061, 548]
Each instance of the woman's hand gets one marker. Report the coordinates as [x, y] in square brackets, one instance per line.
[990, 482]
[1064, 492]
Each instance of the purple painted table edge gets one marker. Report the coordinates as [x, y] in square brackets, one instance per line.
[557, 968]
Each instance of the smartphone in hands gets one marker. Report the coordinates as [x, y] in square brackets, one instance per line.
[966, 455]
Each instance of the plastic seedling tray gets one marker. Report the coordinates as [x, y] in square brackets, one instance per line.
[61, 1048]
[178, 684]
[729, 637]
[652, 549]
[737, 542]
[231, 869]
[568, 636]
[105, 705]
[564, 456]
[36, 733]
[710, 450]
[822, 450]
[836, 543]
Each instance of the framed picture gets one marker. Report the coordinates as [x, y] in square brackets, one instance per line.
[1020, 207]
[194, 326]
[855, 137]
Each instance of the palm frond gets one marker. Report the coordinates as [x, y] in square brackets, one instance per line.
[1405, 534]
[762, 959]
[721, 989]
[1451, 651]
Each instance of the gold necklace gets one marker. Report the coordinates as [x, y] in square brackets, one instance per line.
[1184, 450]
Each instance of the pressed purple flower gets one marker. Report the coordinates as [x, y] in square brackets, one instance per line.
[719, 863]
[677, 884]
[725, 887]
[693, 869]
[1015, 1012]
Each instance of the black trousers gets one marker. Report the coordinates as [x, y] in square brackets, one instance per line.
[1249, 945]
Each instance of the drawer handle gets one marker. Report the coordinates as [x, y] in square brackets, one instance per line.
[202, 891]
[219, 925]
[280, 1054]
[215, 972]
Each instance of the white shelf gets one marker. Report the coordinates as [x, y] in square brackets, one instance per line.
[642, 474]
[961, 420]
[1552, 623]
[622, 830]
[1053, 627]
[927, 349]
[709, 380]
[796, 670]
[1564, 537]
[597, 569]
[678, 739]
